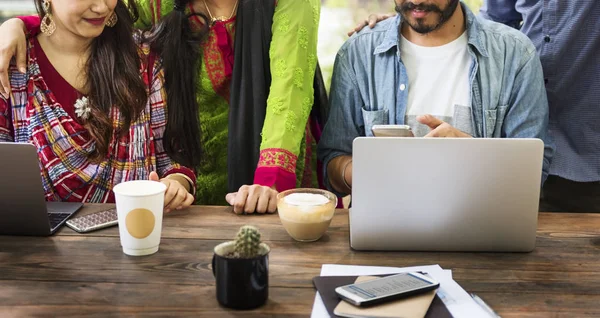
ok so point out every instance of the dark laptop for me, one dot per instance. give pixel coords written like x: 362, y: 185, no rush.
x: 23, y: 209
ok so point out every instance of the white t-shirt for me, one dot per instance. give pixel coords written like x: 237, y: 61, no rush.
x: 438, y: 83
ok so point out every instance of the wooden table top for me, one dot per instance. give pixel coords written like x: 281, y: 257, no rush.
x: 71, y: 274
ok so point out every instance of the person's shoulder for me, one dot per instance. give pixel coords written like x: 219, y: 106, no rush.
x: 369, y: 37
x: 497, y: 33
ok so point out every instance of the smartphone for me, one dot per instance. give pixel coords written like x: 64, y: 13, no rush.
x: 385, y: 289
x: 94, y: 221
x: 392, y: 131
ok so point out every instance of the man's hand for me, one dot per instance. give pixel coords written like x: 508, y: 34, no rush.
x: 254, y: 198
x: 440, y: 128
x: 371, y: 21
x: 12, y: 44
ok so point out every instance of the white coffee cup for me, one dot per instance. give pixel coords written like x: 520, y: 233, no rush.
x: 140, y: 211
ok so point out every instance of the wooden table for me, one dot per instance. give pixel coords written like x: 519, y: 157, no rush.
x: 75, y: 275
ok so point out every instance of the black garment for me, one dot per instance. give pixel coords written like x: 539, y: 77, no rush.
x: 562, y: 195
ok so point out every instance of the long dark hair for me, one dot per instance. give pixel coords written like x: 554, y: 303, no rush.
x: 178, y: 45
x: 113, y: 78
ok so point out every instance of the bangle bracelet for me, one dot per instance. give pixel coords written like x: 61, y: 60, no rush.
x: 191, y: 183
x: 344, y: 175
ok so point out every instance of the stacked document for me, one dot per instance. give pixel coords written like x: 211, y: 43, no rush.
x: 456, y: 300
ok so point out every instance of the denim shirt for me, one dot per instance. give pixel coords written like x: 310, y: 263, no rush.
x: 567, y: 37
x: 370, y: 87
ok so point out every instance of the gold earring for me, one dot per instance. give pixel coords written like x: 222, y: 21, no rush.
x: 112, y: 21
x: 47, y: 25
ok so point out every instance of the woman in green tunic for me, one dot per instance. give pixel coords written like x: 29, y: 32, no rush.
x: 283, y: 157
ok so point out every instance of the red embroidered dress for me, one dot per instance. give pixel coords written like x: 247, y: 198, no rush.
x: 41, y: 112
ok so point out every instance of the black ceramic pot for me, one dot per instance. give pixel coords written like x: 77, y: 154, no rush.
x: 241, y: 283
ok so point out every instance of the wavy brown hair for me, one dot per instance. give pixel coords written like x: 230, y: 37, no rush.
x: 113, y: 79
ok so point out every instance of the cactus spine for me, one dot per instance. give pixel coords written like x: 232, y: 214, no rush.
x: 247, y: 242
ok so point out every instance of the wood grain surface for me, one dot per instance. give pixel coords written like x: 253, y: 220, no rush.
x: 71, y: 274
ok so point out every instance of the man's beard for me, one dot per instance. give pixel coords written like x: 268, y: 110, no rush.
x: 419, y: 25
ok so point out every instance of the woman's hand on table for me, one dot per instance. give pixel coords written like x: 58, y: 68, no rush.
x: 253, y: 199
x: 177, y: 196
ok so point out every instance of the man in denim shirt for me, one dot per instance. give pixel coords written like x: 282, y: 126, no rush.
x: 439, y: 69
x: 567, y: 37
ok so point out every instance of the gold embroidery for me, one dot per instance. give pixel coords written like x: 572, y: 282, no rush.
x: 278, y: 158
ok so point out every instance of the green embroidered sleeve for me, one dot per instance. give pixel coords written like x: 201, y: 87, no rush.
x: 293, y: 55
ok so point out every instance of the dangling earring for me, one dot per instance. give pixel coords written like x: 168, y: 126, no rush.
x: 47, y: 26
x: 112, y: 21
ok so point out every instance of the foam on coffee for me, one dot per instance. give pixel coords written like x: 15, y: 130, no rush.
x: 306, y: 216
x: 306, y: 199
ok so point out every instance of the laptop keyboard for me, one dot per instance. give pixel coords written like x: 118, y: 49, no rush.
x: 57, y: 218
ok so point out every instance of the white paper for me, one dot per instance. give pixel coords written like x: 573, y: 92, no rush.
x: 456, y: 299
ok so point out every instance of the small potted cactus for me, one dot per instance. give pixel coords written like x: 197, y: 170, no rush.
x: 241, y: 270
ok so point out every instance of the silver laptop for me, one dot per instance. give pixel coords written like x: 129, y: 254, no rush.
x: 23, y: 209
x: 442, y: 194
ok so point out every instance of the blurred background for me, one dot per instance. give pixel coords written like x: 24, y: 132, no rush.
x: 337, y: 18
x: 10, y: 8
